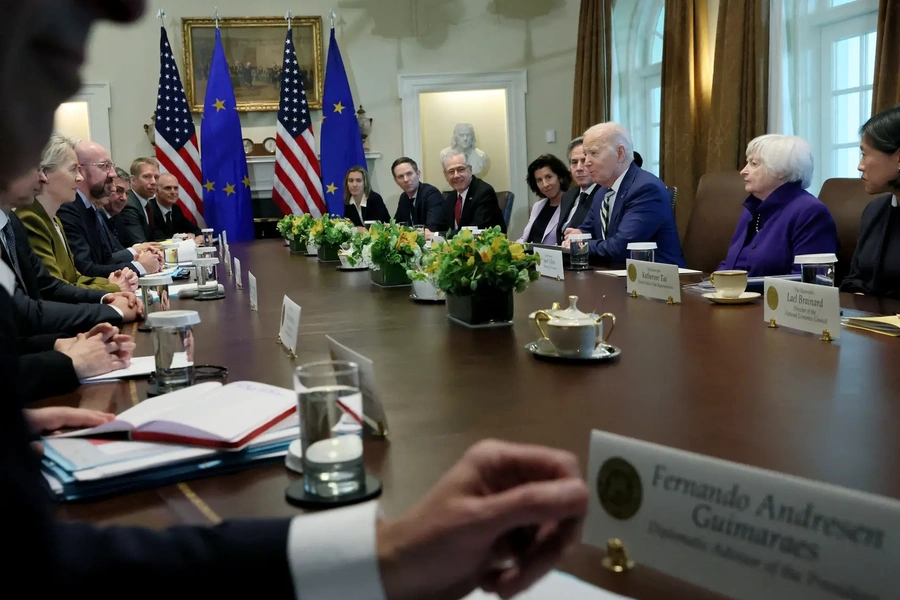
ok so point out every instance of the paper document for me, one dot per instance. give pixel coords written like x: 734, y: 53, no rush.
x: 140, y: 367
x: 557, y: 586
x: 624, y: 272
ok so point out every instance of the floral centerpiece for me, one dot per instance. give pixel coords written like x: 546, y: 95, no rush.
x: 479, y: 274
x: 422, y: 276
x: 352, y: 252
x: 393, y: 250
x: 295, y: 229
x: 329, y: 234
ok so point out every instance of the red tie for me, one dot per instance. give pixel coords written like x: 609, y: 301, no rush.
x: 458, y: 209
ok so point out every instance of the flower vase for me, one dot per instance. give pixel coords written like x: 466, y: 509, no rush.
x: 297, y: 246
x: 391, y: 275
x: 482, y: 307
x: 329, y: 252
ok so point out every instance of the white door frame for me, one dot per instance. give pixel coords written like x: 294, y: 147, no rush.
x: 516, y: 85
x: 98, y: 100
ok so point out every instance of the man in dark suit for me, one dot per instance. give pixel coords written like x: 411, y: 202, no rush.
x: 577, y: 201
x: 473, y: 202
x: 44, y: 303
x: 420, y: 203
x: 95, y: 248
x: 632, y: 205
x: 138, y: 223
x: 167, y: 214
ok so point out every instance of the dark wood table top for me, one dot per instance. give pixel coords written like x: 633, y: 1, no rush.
x: 700, y: 377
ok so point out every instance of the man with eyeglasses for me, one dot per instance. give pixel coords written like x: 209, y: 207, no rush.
x: 95, y: 247
x: 137, y: 219
x: 473, y: 202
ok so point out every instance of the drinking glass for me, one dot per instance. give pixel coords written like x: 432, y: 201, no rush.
x: 330, y: 405
x: 579, y: 250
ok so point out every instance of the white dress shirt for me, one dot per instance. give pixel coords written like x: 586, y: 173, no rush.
x: 332, y: 554
x: 360, y: 207
x: 4, y: 219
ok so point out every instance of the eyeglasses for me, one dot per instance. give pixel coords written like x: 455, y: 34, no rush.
x: 106, y: 166
x: 457, y: 170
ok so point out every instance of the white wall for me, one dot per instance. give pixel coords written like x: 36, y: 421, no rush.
x: 379, y: 40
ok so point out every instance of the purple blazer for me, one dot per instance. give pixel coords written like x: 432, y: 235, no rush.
x: 791, y: 222
x: 549, y: 236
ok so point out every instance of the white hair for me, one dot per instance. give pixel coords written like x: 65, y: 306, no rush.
x: 612, y: 134
x: 786, y: 157
x: 55, y: 151
x: 451, y: 154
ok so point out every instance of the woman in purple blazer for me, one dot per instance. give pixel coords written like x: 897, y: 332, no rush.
x: 781, y: 219
x: 548, y: 178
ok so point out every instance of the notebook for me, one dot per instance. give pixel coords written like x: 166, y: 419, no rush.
x: 889, y: 325
x: 207, y: 414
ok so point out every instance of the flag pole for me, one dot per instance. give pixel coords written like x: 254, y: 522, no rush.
x: 217, y: 17
x: 161, y: 15
x: 332, y: 15
x: 289, y: 17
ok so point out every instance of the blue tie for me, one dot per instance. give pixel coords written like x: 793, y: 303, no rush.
x: 10, y: 236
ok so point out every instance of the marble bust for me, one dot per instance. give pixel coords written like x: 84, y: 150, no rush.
x: 463, y: 142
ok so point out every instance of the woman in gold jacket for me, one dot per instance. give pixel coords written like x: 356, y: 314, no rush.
x: 60, y: 175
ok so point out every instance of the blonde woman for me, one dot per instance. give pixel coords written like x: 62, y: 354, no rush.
x: 60, y: 174
x: 361, y: 204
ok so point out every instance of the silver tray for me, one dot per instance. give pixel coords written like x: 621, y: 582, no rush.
x: 604, y: 353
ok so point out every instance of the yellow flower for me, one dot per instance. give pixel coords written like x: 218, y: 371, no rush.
x: 517, y: 251
x: 486, y: 255
x: 497, y: 245
x: 471, y: 261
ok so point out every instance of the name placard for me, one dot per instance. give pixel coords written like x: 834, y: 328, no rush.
x: 551, y: 264
x: 237, y: 273
x: 803, y: 306
x: 740, y: 531
x: 289, y: 332
x: 653, y: 280
x: 374, y: 416
x: 254, y: 297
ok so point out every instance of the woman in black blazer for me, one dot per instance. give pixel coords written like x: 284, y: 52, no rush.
x: 361, y: 204
x: 875, y: 269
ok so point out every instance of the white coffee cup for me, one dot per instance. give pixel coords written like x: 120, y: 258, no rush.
x: 729, y: 284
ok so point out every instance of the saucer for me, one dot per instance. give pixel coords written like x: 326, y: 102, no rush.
x: 605, y: 352
x: 415, y: 298
x: 359, y: 268
x: 744, y: 298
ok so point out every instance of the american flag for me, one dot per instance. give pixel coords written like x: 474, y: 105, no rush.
x: 176, y: 138
x: 298, y: 182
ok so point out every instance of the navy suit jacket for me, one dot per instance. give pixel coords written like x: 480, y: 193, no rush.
x: 95, y: 248
x: 74, y: 557
x: 481, y: 208
x: 180, y: 223
x: 642, y: 213
x: 429, y: 209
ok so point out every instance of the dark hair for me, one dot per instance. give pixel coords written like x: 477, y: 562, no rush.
x: 402, y: 160
x: 365, y: 176
x: 555, y: 165
x: 638, y: 159
x: 882, y: 131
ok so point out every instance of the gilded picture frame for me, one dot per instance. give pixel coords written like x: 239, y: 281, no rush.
x: 254, y: 49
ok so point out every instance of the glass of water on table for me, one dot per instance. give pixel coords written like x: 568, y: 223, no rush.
x: 331, y: 417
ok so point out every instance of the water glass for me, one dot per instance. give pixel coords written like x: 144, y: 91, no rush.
x: 817, y: 269
x: 330, y: 405
x: 173, y: 348
x: 643, y: 251
x: 579, y: 250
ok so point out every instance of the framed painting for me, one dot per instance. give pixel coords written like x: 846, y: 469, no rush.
x: 254, y: 49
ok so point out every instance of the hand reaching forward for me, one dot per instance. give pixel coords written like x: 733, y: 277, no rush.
x: 501, y: 501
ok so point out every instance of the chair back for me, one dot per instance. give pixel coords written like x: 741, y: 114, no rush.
x: 846, y: 198
x: 717, y: 208
x: 506, y: 199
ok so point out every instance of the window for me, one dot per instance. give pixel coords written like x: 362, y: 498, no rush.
x: 637, y: 89
x: 822, y: 69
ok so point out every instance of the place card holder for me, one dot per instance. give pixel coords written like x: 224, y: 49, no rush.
x: 670, y: 301
x: 826, y: 335
x: 616, y: 559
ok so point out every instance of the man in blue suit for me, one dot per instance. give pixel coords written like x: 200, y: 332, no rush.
x: 631, y: 206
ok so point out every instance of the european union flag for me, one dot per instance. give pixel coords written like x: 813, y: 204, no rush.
x: 226, y: 184
x: 342, y: 145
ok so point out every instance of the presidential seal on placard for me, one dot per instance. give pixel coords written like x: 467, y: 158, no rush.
x: 632, y: 273
x: 772, y: 298
x: 619, y: 488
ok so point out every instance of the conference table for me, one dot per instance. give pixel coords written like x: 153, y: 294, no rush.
x: 696, y: 376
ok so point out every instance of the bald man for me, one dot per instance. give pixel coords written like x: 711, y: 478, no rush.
x: 169, y: 218
x: 95, y: 247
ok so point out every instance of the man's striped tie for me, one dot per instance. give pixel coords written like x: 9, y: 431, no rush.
x: 604, y: 212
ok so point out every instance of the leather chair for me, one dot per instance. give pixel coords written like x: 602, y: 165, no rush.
x: 846, y: 198
x: 506, y: 199
x: 717, y: 208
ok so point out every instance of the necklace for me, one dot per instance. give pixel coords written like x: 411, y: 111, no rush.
x: 756, y: 223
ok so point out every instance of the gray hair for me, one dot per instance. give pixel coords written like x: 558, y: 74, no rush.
x: 55, y: 151
x: 614, y: 135
x: 786, y: 157
x: 449, y: 155
x: 122, y: 174
x: 579, y: 141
